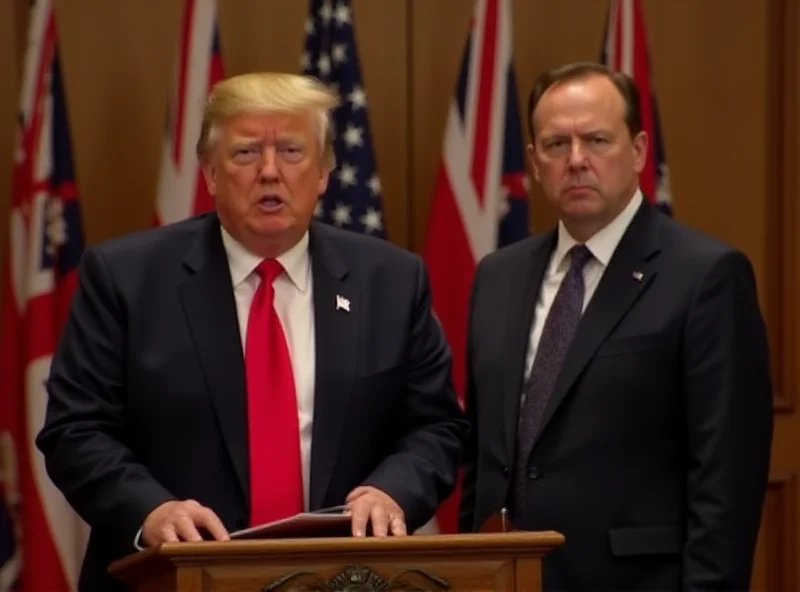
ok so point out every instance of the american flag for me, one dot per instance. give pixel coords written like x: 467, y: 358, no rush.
x: 182, y: 191
x: 625, y: 50
x: 353, y: 198
x: 45, y: 245
x: 480, y: 198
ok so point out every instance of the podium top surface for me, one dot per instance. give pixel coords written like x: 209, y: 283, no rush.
x: 519, y: 543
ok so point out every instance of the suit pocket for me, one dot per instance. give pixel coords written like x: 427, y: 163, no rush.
x: 627, y: 345
x: 660, y: 539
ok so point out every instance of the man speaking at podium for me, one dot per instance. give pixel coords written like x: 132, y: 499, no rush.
x: 246, y: 365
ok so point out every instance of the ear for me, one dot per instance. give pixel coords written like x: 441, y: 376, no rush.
x: 640, y: 145
x: 210, y: 176
x: 322, y: 184
x: 530, y: 153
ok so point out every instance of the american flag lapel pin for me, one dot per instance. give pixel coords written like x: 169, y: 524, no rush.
x: 638, y: 275
x: 342, y: 303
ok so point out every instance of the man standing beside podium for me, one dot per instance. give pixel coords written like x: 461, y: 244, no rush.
x: 619, y: 383
x: 248, y: 364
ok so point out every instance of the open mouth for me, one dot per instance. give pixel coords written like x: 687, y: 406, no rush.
x: 271, y: 203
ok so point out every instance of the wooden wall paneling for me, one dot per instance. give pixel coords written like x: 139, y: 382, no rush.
x: 269, y: 35
x: 261, y: 35
x: 117, y: 60
x: 13, y: 22
x: 382, y: 31
x: 712, y: 92
x: 20, y: 12
x: 775, y: 567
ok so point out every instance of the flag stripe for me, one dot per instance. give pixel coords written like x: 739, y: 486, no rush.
x: 183, y: 59
x: 45, y: 243
x: 473, y: 213
x: 182, y: 191
x: 625, y: 50
x: 483, y: 114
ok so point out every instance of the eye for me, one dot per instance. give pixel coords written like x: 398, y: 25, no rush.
x: 245, y: 151
x: 291, y: 153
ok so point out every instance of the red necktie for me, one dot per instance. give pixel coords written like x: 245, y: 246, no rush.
x: 276, y: 483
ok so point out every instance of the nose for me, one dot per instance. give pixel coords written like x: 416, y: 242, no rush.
x: 269, y: 166
x: 577, y: 154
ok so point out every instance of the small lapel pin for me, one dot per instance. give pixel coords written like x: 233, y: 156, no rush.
x: 638, y: 275
x: 342, y: 303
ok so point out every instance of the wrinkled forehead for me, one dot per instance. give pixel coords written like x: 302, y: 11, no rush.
x: 579, y: 105
x: 270, y: 126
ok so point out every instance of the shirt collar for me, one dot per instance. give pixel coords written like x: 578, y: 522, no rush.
x: 603, y: 244
x: 242, y: 262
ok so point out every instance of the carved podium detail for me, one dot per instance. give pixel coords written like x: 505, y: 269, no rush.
x: 492, y: 562
x: 358, y: 578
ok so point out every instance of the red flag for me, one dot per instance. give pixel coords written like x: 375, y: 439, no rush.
x: 480, y: 199
x: 625, y: 50
x: 45, y: 245
x: 181, y: 189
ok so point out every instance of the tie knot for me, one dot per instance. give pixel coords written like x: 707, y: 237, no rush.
x: 269, y: 269
x: 579, y: 256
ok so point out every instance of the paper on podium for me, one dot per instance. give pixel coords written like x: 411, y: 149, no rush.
x: 327, y: 522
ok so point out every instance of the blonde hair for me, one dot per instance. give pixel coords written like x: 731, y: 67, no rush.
x: 262, y: 92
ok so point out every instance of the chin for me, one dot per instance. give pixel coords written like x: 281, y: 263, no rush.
x: 583, y: 204
x: 269, y: 224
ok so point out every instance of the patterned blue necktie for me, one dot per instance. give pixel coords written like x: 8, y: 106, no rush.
x: 559, y: 328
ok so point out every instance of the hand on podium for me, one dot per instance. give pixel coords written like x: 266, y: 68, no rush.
x: 497, y: 523
x: 175, y: 521
x: 371, y: 507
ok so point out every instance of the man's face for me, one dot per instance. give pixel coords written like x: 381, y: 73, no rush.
x: 265, y: 172
x: 583, y: 154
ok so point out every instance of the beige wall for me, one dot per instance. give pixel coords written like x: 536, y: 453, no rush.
x: 724, y: 75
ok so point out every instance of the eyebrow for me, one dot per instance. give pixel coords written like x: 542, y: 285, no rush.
x: 585, y: 134
x: 245, y: 139
x: 250, y: 143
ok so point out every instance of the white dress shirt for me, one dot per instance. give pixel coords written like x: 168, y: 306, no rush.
x: 602, y: 246
x: 294, y: 304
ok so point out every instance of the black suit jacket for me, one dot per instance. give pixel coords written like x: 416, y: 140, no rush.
x: 147, y: 395
x: 654, y: 450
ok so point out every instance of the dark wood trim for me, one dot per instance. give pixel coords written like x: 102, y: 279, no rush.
x: 782, y: 263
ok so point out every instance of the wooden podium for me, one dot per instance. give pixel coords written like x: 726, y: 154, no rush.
x: 508, y: 561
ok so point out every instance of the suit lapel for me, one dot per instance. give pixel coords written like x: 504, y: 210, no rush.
x: 524, y: 290
x: 336, y: 333
x: 626, y: 278
x: 210, y: 309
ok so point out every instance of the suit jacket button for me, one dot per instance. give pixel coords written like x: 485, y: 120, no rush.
x: 506, y: 471
x: 534, y: 473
